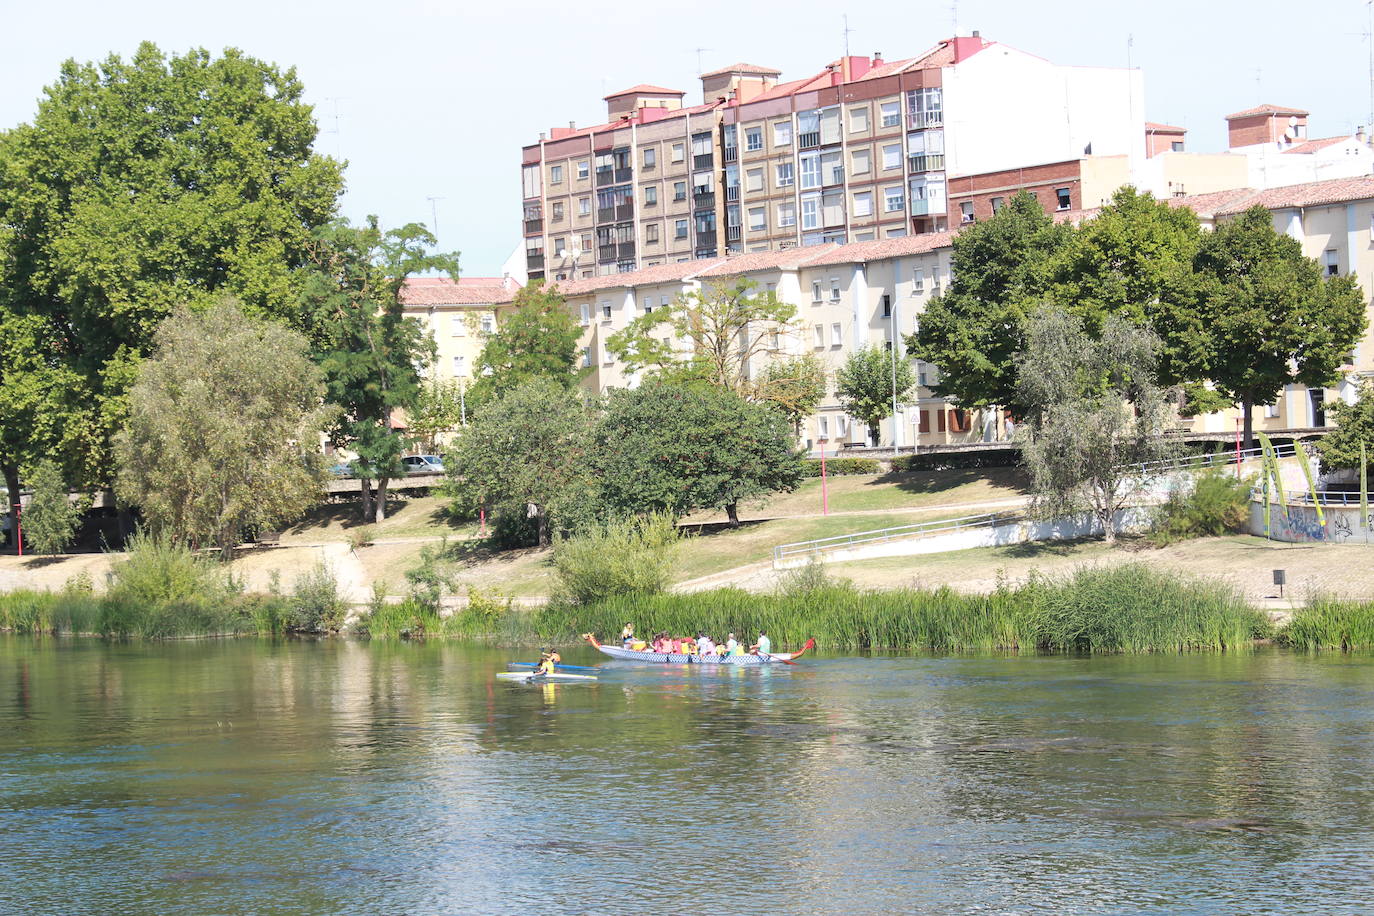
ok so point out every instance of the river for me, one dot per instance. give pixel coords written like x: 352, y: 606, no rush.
x: 246, y: 776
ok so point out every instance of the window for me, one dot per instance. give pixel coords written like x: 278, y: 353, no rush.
x: 1061, y: 198
x: 555, y: 174
x: 892, y: 156
x: 822, y: 428
x: 703, y: 182
x: 811, y: 171
x: 832, y: 167
x: 893, y: 199
x: 650, y: 157
x: 815, y: 290
x: 860, y: 161
x: 811, y: 212
x: 680, y: 229
x: 679, y: 190
x: 836, y: 335
x: 892, y: 114
x: 863, y: 203
x: 918, y: 280
x: 560, y: 246
x: 1271, y: 411
x: 858, y: 120
x: 488, y: 324
x: 757, y: 219
x: 460, y: 365
x: 997, y: 204
x: 701, y: 144
x: 557, y: 210
x: 586, y: 241
x: 1176, y: 146
x: 782, y: 133
x: 787, y: 214
x: 753, y: 180
x: 605, y: 309
x: 966, y: 211
x: 648, y: 304
x: 887, y: 305
x: 663, y: 301
x: 584, y: 168
x: 584, y: 206
x: 834, y: 289
x: 651, y: 196
x: 820, y: 336
x: 679, y: 151
x: 1333, y: 262
x: 786, y: 176
x: 935, y: 277
x: 586, y: 357
x: 753, y: 138
x: 651, y: 234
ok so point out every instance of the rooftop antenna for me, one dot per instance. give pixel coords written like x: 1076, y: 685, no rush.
x: 1130, y: 43
x: 700, y: 51
x: 954, y: 16
x: 847, y: 30
x: 434, y: 213
x: 1369, y: 37
x: 338, y: 144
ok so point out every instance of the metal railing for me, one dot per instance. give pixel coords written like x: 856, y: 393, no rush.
x: 881, y: 535
x: 1213, y: 459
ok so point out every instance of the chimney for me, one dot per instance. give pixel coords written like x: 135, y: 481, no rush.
x: 572, y: 125
x: 977, y: 34
x: 1359, y: 133
x: 541, y: 136
x: 877, y: 58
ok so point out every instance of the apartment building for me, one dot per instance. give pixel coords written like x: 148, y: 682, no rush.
x: 864, y: 150
x: 458, y: 315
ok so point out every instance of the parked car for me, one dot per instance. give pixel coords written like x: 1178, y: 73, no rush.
x: 423, y: 464
x: 342, y: 469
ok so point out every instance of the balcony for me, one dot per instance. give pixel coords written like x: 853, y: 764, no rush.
x: 606, y: 253
x: 706, y: 240
x: 919, y: 119
x: 625, y: 251
x: 927, y: 162
x: 732, y: 193
x: 534, y: 225
x: 625, y: 211
x: 623, y: 174
x: 605, y: 214
x: 835, y: 176
x: 920, y: 207
x: 605, y: 177
x: 703, y: 160
x: 534, y: 261
x: 809, y: 140
x: 731, y: 153
x: 732, y: 233
x: 704, y: 200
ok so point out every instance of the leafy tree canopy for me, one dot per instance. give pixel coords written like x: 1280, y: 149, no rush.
x: 537, y: 339
x: 869, y: 381
x: 51, y: 519
x: 1340, y: 448
x: 792, y: 385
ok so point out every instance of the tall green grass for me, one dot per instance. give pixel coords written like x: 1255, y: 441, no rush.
x: 1123, y: 609
x: 1331, y: 623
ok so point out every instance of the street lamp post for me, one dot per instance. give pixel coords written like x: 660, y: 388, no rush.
x: 825, y: 494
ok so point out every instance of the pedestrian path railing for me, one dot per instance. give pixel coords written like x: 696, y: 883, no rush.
x: 901, y: 532
x: 1210, y: 459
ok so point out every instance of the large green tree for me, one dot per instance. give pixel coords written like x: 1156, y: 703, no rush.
x: 793, y: 386
x: 523, y: 454
x: 871, y: 380
x: 223, y: 429
x: 142, y: 184
x: 1353, y: 438
x: 537, y: 338
x: 1095, y: 415
x: 1003, y: 269
x: 673, y: 448
x: 52, y: 517
x: 371, y: 353
x: 1269, y: 315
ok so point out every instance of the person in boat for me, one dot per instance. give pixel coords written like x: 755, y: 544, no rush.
x: 546, y: 663
x: 731, y: 644
x: 687, y: 646
x: 720, y: 650
x: 738, y: 649
x: 627, y: 635
x: 661, y: 643
x: 705, y: 645
x: 764, y: 646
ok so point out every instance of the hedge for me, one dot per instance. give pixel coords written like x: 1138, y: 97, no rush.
x: 834, y: 467
x: 948, y: 461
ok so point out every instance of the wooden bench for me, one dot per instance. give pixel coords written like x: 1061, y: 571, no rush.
x: 268, y: 538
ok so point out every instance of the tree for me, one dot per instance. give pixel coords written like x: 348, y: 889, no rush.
x: 672, y: 448
x: 1341, y: 448
x: 141, y: 185
x: 51, y: 518
x: 538, y: 339
x: 522, y: 453
x: 1270, y: 318
x: 868, y: 384
x: 369, y: 351
x: 717, y: 334
x: 1002, y: 269
x: 440, y: 406
x: 1095, y: 415
x: 792, y: 385
x: 223, y: 426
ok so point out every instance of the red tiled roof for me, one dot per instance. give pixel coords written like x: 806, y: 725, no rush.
x: 743, y: 68
x: 886, y: 68
x: 878, y: 249
x: 1075, y: 216
x: 1155, y: 127
x: 422, y: 291
x: 785, y: 259
x: 1311, y: 146
x: 1266, y: 109
x: 643, y: 89
x: 1209, y: 204
x: 648, y: 276
x: 1311, y: 194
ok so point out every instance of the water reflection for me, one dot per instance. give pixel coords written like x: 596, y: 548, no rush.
x: 338, y: 777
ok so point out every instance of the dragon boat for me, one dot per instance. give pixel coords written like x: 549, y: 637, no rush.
x: 680, y: 658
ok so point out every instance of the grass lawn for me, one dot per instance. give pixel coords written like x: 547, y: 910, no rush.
x: 422, y: 517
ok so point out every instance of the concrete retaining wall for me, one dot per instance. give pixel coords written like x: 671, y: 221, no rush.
x: 1297, y: 524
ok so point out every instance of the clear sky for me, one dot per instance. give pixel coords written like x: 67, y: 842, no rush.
x: 434, y: 98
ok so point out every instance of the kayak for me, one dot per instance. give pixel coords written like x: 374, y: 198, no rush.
x: 679, y: 658
x: 573, y: 668
x: 541, y: 678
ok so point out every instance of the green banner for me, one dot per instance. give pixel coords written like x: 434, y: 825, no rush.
x: 1306, y: 462
x: 1364, y: 490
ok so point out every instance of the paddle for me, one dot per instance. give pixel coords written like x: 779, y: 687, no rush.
x: 559, y: 667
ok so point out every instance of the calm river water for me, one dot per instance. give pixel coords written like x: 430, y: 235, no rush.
x: 331, y: 777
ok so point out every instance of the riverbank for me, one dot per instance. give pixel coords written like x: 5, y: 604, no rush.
x: 1124, y: 609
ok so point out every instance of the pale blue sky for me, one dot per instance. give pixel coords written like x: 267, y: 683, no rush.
x: 435, y: 98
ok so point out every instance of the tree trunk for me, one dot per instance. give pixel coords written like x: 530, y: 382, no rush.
x: 1108, y: 518
x: 366, y: 484
x: 12, y: 483
x: 873, y: 434
x: 732, y: 513
x: 1247, y: 410
x: 379, y: 507
x: 543, y: 521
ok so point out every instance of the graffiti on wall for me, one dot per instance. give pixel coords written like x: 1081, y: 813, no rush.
x: 1299, y: 524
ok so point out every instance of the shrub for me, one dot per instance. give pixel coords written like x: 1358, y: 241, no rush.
x: 315, y: 604
x: 632, y: 557
x: 950, y: 461
x: 837, y: 467
x: 430, y: 581
x: 1218, y: 503
x: 360, y: 537
x: 157, y: 570
x: 51, y: 518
